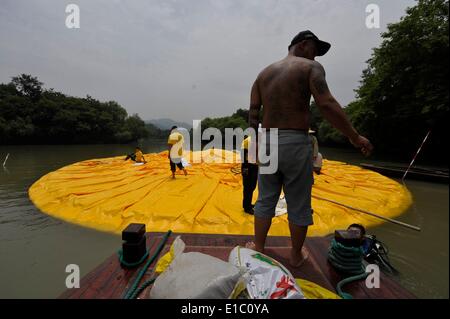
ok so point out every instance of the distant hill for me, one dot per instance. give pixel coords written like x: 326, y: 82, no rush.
x: 166, y: 124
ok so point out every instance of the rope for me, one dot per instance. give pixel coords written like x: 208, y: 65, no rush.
x: 142, y: 288
x: 349, y: 261
x: 134, y: 290
x: 131, y: 265
x: 236, y: 170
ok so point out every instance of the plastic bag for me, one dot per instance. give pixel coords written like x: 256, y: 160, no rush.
x: 312, y: 290
x: 185, y: 163
x: 195, y: 275
x: 265, y: 277
x: 138, y: 164
x: 318, y: 162
x: 281, y: 207
x: 177, y: 248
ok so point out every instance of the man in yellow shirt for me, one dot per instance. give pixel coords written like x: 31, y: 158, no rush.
x: 175, y: 143
x: 249, y: 173
x: 137, y: 156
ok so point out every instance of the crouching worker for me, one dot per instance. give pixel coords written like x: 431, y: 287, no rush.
x: 249, y: 173
x: 175, y: 143
x: 137, y: 156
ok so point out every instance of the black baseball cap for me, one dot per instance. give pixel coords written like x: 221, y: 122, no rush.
x: 322, y: 46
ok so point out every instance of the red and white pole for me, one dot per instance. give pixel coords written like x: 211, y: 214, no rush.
x: 417, y: 153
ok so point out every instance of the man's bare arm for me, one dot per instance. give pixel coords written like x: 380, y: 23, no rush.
x: 255, y: 106
x: 328, y: 106
x: 332, y: 110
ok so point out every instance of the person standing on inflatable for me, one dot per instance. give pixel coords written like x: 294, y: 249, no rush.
x: 284, y: 89
x: 249, y: 173
x: 175, y: 143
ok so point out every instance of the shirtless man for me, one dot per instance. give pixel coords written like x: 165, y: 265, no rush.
x: 284, y: 89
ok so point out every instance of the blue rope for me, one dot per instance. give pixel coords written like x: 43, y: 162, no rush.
x: 131, y: 265
x: 142, y: 288
x: 348, y: 260
x: 134, y: 289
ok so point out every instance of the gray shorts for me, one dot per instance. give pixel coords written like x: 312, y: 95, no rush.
x: 294, y: 175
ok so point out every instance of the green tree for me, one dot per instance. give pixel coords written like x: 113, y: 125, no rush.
x: 29, y: 114
x: 242, y: 113
x: 28, y: 85
x: 404, y: 89
x: 136, y: 127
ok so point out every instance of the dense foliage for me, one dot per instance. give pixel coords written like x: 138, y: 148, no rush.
x: 31, y: 115
x: 404, y: 89
x: 155, y: 132
x: 238, y: 119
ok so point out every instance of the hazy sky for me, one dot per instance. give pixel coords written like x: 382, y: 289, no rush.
x: 181, y: 59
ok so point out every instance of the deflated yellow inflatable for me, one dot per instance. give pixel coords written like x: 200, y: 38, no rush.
x: 108, y: 194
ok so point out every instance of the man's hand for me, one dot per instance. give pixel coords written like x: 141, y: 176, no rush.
x: 332, y: 110
x: 363, y: 144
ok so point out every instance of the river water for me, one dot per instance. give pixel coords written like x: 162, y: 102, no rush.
x: 35, y: 248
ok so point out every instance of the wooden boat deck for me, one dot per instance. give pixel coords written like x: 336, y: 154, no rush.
x: 110, y: 281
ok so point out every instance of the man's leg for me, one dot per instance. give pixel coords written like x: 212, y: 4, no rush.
x: 298, y: 181
x: 253, y: 180
x: 262, y: 226
x: 247, y: 193
x: 269, y: 186
x: 298, y: 235
x: 172, y: 168
x: 181, y: 167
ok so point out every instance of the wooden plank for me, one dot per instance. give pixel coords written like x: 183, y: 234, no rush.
x: 389, y: 288
x: 86, y: 282
x: 321, y: 253
x: 227, y: 240
x: 126, y: 282
x: 110, y: 280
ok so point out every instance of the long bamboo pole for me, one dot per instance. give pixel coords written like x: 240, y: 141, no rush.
x: 370, y: 213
